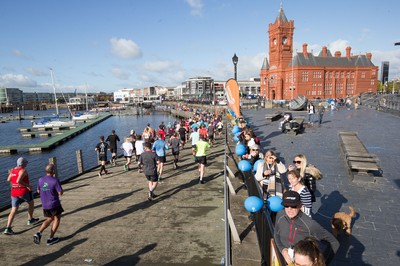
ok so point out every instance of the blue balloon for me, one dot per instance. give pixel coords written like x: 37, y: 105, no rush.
x: 235, y: 138
x: 240, y: 150
x: 275, y: 203
x: 253, y: 204
x: 244, y: 165
x: 255, y: 166
x: 235, y: 129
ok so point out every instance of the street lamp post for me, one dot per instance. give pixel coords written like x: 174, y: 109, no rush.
x: 235, y: 60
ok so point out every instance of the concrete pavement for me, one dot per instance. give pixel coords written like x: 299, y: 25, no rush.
x: 375, y: 238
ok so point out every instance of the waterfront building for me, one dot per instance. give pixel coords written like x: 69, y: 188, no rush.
x: 11, y: 96
x: 285, y: 76
x: 199, y: 88
x: 385, y: 72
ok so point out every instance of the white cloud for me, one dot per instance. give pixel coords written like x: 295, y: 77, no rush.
x: 338, y: 45
x: 159, y: 66
x: 125, y: 49
x: 16, y: 81
x: 120, y: 73
x: 17, y: 53
x: 36, y: 72
x: 196, y: 7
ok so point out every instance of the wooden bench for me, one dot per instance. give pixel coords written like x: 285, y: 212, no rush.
x: 274, y: 117
x: 362, y: 164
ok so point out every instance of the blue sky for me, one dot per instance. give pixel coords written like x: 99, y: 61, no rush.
x: 110, y: 45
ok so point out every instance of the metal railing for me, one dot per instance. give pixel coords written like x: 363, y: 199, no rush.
x: 263, y: 219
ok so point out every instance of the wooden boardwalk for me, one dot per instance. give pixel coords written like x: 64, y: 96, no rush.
x: 109, y: 221
x: 55, y: 140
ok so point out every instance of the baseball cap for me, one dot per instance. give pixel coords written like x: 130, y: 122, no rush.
x: 291, y: 198
x: 21, y: 161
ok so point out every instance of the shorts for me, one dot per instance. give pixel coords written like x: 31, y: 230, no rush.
x: 103, y: 158
x: 16, y: 201
x: 201, y: 159
x: 152, y: 178
x: 128, y: 157
x: 175, y: 152
x: 183, y: 138
x: 211, y: 137
x: 113, y: 150
x: 219, y: 129
x: 162, y: 159
x: 194, y: 146
x: 53, y: 212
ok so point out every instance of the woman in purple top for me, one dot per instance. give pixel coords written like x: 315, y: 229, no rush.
x: 50, y: 190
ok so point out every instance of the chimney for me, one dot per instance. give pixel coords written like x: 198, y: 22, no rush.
x: 305, y: 50
x: 324, y: 51
x: 338, y: 54
x: 369, y: 56
x: 348, y: 52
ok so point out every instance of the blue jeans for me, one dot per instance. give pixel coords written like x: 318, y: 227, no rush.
x: 310, y: 118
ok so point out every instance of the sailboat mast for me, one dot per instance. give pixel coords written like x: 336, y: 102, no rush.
x: 86, y: 99
x: 54, y: 89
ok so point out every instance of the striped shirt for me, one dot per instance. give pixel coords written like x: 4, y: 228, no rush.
x: 306, y: 200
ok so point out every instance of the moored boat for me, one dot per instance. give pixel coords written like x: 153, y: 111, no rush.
x: 84, y: 116
x: 48, y: 122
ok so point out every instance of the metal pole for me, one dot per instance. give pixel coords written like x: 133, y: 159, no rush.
x: 54, y: 89
x: 53, y: 160
x: 227, y: 261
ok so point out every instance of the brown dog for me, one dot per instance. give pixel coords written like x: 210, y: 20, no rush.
x: 342, y: 221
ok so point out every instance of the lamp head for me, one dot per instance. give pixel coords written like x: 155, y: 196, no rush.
x: 235, y: 59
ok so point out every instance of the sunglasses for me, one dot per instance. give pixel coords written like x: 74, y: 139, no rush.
x: 270, y: 157
x: 255, y: 149
x: 295, y: 207
x: 298, y: 162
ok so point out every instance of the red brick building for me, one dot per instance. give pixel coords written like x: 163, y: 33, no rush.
x: 284, y: 77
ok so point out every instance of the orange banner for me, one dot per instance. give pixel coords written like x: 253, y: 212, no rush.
x: 232, y: 95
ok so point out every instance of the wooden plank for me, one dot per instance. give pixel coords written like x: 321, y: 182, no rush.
x: 230, y: 173
x: 361, y: 159
x: 228, y: 181
x: 360, y: 154
x: 234, y: 232
x: 367, y: 166
x: 347, y: 133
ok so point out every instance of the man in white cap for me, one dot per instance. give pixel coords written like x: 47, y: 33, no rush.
x: 21, y: 191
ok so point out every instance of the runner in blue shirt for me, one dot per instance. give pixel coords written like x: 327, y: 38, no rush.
x: 160, y: 146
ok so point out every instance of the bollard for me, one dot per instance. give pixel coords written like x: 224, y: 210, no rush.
x: 79, y: 160
x: 53, y: 160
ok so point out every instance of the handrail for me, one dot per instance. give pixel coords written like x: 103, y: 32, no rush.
x: 263, y: 220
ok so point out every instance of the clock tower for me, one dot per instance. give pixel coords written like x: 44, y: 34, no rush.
x: 280, y: 55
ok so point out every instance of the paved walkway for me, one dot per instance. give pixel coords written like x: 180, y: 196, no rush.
x: 109, y: 221
x: 375, y: 238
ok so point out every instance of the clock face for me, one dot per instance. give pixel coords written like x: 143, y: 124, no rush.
x: 284, y: 40
x: 274, y: 41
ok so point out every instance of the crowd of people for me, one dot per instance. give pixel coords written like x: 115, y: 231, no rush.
x: 150, y: 148
x: 295, y: 231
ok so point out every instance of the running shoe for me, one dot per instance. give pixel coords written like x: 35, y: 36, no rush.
x: 36, y: 238
x: 52, y: 241
x: 32, y: 221
x: 8, y: 231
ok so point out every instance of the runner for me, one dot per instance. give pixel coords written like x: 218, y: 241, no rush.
x: 201, y: 156
x: 148, y: 160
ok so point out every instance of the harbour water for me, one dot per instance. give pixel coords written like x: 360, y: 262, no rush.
x: 65, y: 153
